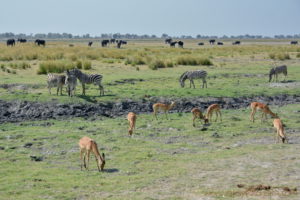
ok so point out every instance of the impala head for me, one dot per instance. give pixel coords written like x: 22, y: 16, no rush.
x: 102, y: 162
x: 130, y: 131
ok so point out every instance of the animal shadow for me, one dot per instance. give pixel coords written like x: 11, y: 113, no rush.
x: 112, y: 170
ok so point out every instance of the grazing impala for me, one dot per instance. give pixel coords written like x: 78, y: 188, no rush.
x: 263, y: 108
x: 280, y: 131
x: 163, y: 107
x: 131, y: 117
x: 198, y: 114
x: 87, y: 145
x: 213, y: 108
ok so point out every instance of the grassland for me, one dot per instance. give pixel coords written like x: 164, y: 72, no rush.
x: 165, y: 159
x: 236, y: 70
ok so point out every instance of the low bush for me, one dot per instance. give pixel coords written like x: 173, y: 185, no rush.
x: 189, y: 60
x: 54, y: 67
x: 87, y: 65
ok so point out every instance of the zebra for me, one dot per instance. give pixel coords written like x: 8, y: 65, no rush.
x: 198, y: 74
x: 88, y: 79
x: 55, y: 80
x: 71, y: 82
x: 277, y: 70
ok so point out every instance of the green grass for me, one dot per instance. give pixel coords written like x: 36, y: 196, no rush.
x: 165, y: 159
x: 236, y: 71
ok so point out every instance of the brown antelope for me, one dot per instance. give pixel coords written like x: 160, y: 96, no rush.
x: 87, y: 145
x: 131, y: 117
x: 163, y: 107
x: 263, y: 108
x: 198, y: 114
x: 280, y: 130
x: 213, y: 108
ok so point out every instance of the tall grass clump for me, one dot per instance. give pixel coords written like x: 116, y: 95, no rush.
x: 279, y: 56
x: 189, y: 60
x: 54, y: 67
x: 157, y: 64
x: 137, y: 60
x: 87, y: 65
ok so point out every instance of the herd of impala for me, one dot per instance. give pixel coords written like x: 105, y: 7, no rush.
x: 87, y: 145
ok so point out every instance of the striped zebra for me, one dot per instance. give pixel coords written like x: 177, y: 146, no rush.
x: 277, y: 70
x: 88, y: 79
x: 191, y: 75
x: 71, y: 82
x: 55, y: 80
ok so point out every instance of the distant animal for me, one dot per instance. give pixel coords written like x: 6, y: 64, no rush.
x: 220, y: 43
x: 104, y: 43
x: 22, y: 40
x: 131, y: 117
x: 212, y: 41
x: 180, y: 44
x: 191, y: 75
x: 201, y: 43
x: 10, y: 42
x: 236, y: 43
x: 263, y: 108
x: 163, y: 107
x: 90, y: 43
x: 40, y: 42
x: 198, y: 114
x: 168, y: 40
x: 211, y: 109
x: 96, y: 79
x: 280, y: 131
x: 55, y: 80
x: 112, y: 41
x: 120, y: 42
x: 278, y: 70
x: 294, y: 42
x: 70, y: 82
x: 172, y: 44
x: 87, y: 145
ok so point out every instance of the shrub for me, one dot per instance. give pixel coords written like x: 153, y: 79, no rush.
x: 283, y: 56
x: 87, y: 65
x: 188, y: 60
x: 157, y: 64
x: 272, y: 56
x: 137, y: 60
x: 298, y: 55
x: 54, y: 67
x: 79, y: 64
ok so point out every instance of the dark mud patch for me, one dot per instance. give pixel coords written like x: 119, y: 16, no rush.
x: 18, y: 86
x: 16, y: 111
x: 126, y: 81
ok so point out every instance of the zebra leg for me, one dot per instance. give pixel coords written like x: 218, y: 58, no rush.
x: 83, y: 89
x: 193, y: 83
x: 49, y: 88
x: 190, y: 83
x: 57, y: 90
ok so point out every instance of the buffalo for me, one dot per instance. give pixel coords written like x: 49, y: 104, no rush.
x: 10, y: 42
x: 90, y: 43
x: 172, y: 44
x: 112, y: 41
x: 104, y: 43
x: 201, y: 43
x: 120, y: 42
x: 21, y: 40
x: 168, y: 41
x: 180, y: 44
x: 212, y: 41
x: 40, y: 42
x: 236, y: 42
x: 220, y: 43
x: 294, y: 42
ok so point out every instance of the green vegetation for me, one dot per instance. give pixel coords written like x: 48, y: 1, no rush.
x: 165, y: 159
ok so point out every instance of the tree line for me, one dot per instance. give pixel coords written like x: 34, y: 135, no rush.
x: 136, y: 36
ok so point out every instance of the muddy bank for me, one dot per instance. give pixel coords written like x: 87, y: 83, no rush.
x: 15, y: 111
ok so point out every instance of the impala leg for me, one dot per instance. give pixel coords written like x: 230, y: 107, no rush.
x: 220, y: 115
x: 216, y: 116
x: 252, y: 115
x: 88, y: 159
x: 81, y: 152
